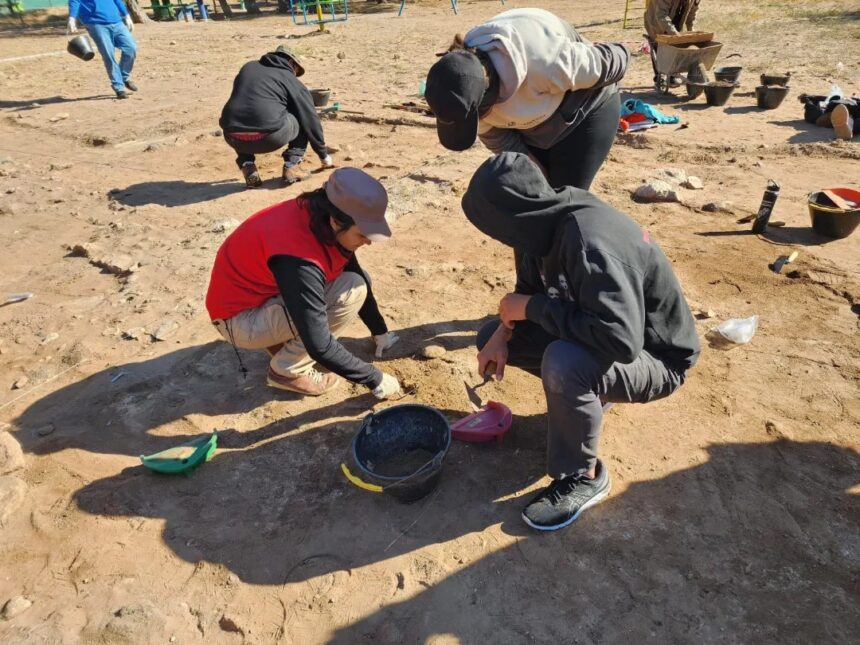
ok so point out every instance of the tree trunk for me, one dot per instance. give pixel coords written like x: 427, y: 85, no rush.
x: 225, y: 7
x: 138, y: 15
x: 251, y: 6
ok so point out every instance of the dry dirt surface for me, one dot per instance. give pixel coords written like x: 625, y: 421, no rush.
x: 734, y: 515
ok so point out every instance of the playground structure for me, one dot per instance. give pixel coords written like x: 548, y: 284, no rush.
x: 335, y: 11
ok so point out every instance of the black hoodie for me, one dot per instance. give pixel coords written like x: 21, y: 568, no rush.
x: 266, y: 90
x: 594, y: 275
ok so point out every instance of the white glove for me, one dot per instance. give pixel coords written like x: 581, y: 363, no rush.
x: 389, y: 387
x: 385, y: 341
x: 128, y: 22
x: 72, y: 27
x: 326, y: 162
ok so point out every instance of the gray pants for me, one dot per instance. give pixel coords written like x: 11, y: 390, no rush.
x: 290, y: 133
x: 577, y: 384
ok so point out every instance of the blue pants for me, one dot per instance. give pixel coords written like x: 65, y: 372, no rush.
x: 577, y: 384
x: 109, y: 38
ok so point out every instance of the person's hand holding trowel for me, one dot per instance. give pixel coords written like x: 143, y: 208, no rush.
x: 494, y: 355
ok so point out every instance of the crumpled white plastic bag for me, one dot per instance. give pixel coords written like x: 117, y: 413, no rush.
x: 738, y: 330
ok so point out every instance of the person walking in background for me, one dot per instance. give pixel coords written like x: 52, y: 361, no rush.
x: 110, y: 27
x: 668, y: 17
x: 268, y: 109
x: 526, y: 81
x: 597, y: 313
x: 287, y: 280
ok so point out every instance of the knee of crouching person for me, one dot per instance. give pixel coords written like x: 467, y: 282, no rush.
x: 567, y: 367
x: 354, y: 289
x: 484, y: 334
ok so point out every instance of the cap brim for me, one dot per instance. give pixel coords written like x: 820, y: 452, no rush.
x: 458, y: 135
x: 374, y: 231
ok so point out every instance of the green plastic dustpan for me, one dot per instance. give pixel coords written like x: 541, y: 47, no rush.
x: 184, y: 458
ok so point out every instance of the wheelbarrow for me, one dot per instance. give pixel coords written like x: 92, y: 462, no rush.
x: 677, y: 59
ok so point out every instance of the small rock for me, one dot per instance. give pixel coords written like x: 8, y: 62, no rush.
x: 704, y: 314
x: 60, y: 166
x: 224, y: 225
x: 233, y: 580
x: 20, y: 383
x: 152, y: 146
x: 11, y: 455
x: 134, y: 333
x: 693, y: 183
x: 60, y: 117
x: 719, y: 207
x: 10, y: 191
x: 341, y: 56
x: 165, y: 330
x: 50, y: 338
x: 433, y: 351
x: 655, y: 191
x: 758, y: 164
x: 15, y: 606
x: 216, y: 133
x: 44, y: 431
x: 12, y: 494
x: 172, y: 42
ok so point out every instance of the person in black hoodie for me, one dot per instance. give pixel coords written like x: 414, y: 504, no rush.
x: 597, y: 313
x: 268, y: 109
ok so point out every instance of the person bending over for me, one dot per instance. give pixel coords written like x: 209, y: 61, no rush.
x: 287, y: 280
x: 597, y: 314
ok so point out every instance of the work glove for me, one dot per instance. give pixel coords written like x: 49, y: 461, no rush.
x: 72, y: 26
x: 384, y: 341
x: 326, y: 162
x: 390, y: 387
x: 128, y: 22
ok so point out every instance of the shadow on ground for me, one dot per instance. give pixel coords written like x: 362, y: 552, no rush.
x: 175, y: 192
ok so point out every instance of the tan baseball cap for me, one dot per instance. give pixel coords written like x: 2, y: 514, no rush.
x: 361, y: 197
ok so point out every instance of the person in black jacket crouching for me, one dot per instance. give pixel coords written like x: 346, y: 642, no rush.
x: 268, y: 109
x: 597, y: 313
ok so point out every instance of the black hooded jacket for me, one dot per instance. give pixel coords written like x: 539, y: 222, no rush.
x: 594, y: 275
x: 266, y: 90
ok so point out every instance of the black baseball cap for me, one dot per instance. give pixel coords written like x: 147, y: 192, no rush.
x: 455, y: 87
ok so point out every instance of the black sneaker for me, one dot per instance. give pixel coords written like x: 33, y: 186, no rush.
x: 120, y: 94
x: 560, y: 503
x: 130, y: 84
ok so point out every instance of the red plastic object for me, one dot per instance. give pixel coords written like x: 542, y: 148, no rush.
x: 490, y: 422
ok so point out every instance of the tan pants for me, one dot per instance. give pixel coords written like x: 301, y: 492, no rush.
x: 270, y: 325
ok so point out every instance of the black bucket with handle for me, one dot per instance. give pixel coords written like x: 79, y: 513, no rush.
x: 399, y: 451
x: 80, y: 47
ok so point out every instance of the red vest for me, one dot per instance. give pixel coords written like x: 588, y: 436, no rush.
x: 241, y: 278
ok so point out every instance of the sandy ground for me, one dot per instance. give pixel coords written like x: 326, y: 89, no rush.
x: 734, y: 515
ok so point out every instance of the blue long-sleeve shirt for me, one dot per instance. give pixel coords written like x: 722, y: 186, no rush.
x: 97, y: 12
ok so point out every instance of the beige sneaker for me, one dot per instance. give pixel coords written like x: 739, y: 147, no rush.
x: 314, y: 383
x: 842, y: 122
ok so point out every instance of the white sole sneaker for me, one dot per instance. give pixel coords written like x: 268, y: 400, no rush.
x: 592, y: 502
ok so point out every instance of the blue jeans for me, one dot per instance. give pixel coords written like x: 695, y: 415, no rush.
x: 109, y: 38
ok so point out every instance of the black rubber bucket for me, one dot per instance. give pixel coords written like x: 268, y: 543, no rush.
x: 718, y: 92
x: 399, y: 451
x: 769, y: 97
x: 696, y: 78
x: 728, y: 74
x: 320, y: 97
x: 830, y: 220
x: 775, y: 79
x: 80, y: 46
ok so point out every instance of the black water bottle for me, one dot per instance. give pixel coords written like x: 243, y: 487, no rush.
x: 766, y: 207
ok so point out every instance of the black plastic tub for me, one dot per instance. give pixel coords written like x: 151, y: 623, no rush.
x: 80, y: 46
x: 728, y: 74
x: 399, y: 451
x: 770, y: 97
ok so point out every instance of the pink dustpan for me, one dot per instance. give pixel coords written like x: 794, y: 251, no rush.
x: 492, y: 421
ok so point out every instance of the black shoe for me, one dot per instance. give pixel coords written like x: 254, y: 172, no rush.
x: 121, y: 94
x: 291, y: 175
x: 251, y: 175
x: 560, y: 503
x: 130, y: 84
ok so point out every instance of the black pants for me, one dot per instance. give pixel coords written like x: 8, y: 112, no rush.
x: 290, y: 134
x: 575, y: 160
x: 577, y: 384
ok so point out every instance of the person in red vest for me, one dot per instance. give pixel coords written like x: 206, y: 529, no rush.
x: 287, y: 280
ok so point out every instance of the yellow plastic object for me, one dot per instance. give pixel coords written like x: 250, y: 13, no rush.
x: 373, y: 488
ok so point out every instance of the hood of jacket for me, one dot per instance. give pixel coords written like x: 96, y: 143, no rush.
x: 281, y: 60
x: 510, y: 200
